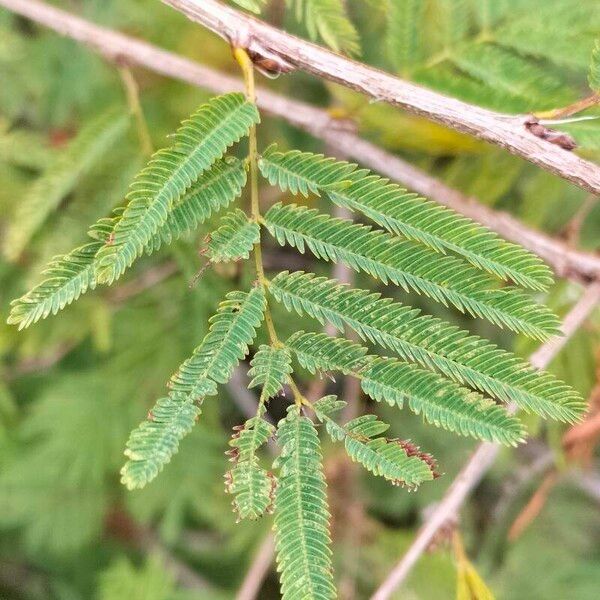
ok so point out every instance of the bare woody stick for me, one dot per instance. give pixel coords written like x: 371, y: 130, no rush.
x: 120, y: 48
x: 507, y: 131
x: 483, y: 457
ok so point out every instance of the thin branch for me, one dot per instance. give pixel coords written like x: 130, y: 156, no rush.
x: 589, y: 483
x: 116, y: 47
x: 483, y: 457
x: 35, y: 364
x: 144, y: 281
x: 183, y: 573
x: 259, y: 569
x: 571, y: 109
x: 133, y: 101
x: 507, y: 131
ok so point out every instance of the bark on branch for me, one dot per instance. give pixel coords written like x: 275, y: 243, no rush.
x: 507, y: 131
x: 565, y: 261
x: 483, y: 457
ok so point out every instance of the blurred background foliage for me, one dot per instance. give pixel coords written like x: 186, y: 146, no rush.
x: 72, y: 387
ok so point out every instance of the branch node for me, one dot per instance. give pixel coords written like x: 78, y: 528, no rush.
x: 267, y: 62
x: 563, y: 140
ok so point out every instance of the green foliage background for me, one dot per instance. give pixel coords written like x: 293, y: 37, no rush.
x: 73, y: 387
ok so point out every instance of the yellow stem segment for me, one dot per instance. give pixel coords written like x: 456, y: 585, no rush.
x: 248, y: 71
x: 135, y: 108
x: 572, y: 109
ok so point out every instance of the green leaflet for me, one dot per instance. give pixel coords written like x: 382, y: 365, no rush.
x: 251, y: 485
x: 443, y: 278
x: 508, y: 73
x: 398, y: 461
x: 197, y: 144
x: 328, y: 20
x: 320, y: 352
x: 71, y: 275
x: 301, y: 515
x: 215, y: 189
x: 231, y: 331
x: 404, y: 214
x: 234, y: 239
x: 404, y: 34
x: 24, y: 148
x: 249, y: 438
x: 152, y: 444
x: 441, y: 402
x: 271, y: 368
x: 68, y: 277
x: 304, y: 172
x: 253, y: 488
x: 430, y: 342
x: 60, y: 176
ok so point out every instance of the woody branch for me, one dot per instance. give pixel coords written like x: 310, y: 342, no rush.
x: 120, y: 48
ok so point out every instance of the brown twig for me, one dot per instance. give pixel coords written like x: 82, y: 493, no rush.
x: 118, y: 47
x: 483, y: 457
x: 534, y: 506
x: 258, y: 570
x: 507, y: 131
x: 571, y: 109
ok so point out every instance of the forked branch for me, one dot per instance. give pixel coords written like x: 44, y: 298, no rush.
x: 507, y: 131
x: 565, y: 261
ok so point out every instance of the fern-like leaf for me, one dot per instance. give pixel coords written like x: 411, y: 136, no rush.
x: 60, y: 177
x: 67, y: 277
x: 231, y: 331
x: 249, y: 438
x: 154, y: 442
x: 430, y: 342
x: 304, y: 172
x: 252, y: 486
x: 71, y: 275
x: 404, y: 33
x: 271, y: 368
x: 398, y: 461
x: 328, y: 20
x: 215, y: 189
x: 507, y: 72
x: 301, y: 514
x: 452, y: 22
x: 197, y: 144
x: 404, y: 214
x: 234, y: 239
x: 441, y: 402
x: 594, y: 74
x: 443, y: 278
